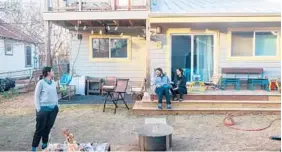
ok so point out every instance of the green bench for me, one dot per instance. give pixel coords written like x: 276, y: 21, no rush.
x: 251, y: 81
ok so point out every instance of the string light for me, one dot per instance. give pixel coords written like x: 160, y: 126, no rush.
x: 92, y: 32
x: 84, y: 28
x: 116, y: 28
x: 100, y: 32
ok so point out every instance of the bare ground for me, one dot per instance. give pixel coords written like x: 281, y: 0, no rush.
x: 89, y: 124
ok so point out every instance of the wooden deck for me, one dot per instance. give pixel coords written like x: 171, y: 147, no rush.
x: 216, y: 102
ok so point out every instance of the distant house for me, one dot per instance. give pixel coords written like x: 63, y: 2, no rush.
x: 18, y: 51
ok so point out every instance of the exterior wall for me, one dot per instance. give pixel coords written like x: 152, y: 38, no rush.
x: 16, y: 62
x: 134, y: 69
x: 160, y: 56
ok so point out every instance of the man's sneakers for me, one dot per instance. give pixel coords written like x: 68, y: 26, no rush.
x: 160, y: 107
x: 168, y: 106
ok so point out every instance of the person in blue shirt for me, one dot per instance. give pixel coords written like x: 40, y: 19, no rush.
x: 162, y: 83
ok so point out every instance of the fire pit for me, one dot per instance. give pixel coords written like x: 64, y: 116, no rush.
x: 155, y: 137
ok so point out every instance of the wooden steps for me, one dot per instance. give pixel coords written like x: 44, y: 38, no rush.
x: 208, y: 107
x: 231, y: 97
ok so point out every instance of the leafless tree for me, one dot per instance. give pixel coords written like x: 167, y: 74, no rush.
x: 27, y: 16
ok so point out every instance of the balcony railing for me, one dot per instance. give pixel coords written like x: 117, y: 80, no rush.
x: 97, y: 5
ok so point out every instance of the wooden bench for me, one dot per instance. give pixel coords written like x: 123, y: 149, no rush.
x: 251, y: 81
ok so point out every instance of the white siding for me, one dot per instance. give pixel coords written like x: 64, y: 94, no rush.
x: 271, y: 68
x: 16, y: 62
x: 135, y: 69
x: 159, y: 57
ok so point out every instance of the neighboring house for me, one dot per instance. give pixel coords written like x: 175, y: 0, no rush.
x: 131, y: 38
x: 18, y: 51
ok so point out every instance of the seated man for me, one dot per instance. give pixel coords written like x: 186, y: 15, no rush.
x: 162, y: 83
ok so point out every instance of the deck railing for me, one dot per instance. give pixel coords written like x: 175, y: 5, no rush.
x: 97, y: 5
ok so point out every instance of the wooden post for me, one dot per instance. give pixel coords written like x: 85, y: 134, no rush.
x: 47, y: 42
x: 148, y: 60
x: 80, y: 5
x: 129, y: 5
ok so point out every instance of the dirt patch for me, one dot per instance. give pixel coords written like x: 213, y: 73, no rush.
x: 90, y: 124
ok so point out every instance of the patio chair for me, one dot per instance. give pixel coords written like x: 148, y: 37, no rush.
x: 35, y: 77
x: 138, y: 91
x: 65, y: 87
x: 109, y: 84
x: 118, y: 93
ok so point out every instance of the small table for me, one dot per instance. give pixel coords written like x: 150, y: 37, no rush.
x: 94, y: 81
x: 155, y: 137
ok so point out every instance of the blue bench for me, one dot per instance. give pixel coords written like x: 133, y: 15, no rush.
x: 251, y: 81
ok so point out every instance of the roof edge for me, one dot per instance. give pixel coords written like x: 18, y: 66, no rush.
x: 212, y: 14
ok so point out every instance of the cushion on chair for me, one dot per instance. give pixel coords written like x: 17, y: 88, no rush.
x: 108, y: 87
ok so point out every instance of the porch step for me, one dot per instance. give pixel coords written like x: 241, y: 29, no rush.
x: 230, y: 97
x: 209, y: 107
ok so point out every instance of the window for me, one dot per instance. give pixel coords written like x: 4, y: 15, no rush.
x: 8, y: 47
x: 109, y: 48
x: 254, y: 43
x: 28, y: 56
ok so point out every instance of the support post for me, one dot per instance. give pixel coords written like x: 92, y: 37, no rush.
x: 47, y: 43
x: 148, y: 60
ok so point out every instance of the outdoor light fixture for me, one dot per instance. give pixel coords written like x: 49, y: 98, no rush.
x: 100, y: 32
x: 92, y: 32
x: 158, y: 30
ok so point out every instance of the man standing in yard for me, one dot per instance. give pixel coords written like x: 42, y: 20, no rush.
x: 46, y: 104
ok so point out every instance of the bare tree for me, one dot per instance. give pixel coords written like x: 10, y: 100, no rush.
x: 27, y: 16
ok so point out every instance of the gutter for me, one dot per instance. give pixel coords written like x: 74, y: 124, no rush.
x: 160, y: 15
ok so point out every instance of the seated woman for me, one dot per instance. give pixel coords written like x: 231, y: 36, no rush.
x: 179, y: 86
x: 162, y: 83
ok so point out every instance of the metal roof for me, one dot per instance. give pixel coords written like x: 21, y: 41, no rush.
x: 205, y: 7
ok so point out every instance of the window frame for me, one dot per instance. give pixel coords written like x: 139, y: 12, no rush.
x: 110, y: 59
x: 254, y: 30
x: 8, y: 42
x: 25, y: 55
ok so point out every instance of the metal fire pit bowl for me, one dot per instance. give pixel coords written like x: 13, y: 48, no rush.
x: 155, y: 137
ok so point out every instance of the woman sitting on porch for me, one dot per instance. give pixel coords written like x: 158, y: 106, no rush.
x: 179, y: 86
x: 162, y: 84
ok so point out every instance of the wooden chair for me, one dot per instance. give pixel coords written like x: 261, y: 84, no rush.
x: 35, y: 77
x: 118, y: 93
x: 138, y: 91
x: 109, y: 84
x: 65, y: 87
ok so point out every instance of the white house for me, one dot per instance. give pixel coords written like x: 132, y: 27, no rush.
x: 18, y: 51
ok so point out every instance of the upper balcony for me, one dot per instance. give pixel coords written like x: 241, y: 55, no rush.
x: 96, y: 9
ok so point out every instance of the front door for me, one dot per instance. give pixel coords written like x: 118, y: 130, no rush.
x: 194, y: 54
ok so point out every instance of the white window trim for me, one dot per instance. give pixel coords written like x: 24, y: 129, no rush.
x: 25, y: 51
x: 6, y: 42
x: 254, y: 43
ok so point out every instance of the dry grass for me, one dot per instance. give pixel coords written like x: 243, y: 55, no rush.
x: 90, y: 124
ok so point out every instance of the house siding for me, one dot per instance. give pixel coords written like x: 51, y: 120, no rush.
x: 134, y: 69
x: 16, y: 62
x: 272, y: 69
x: 159, y: 57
